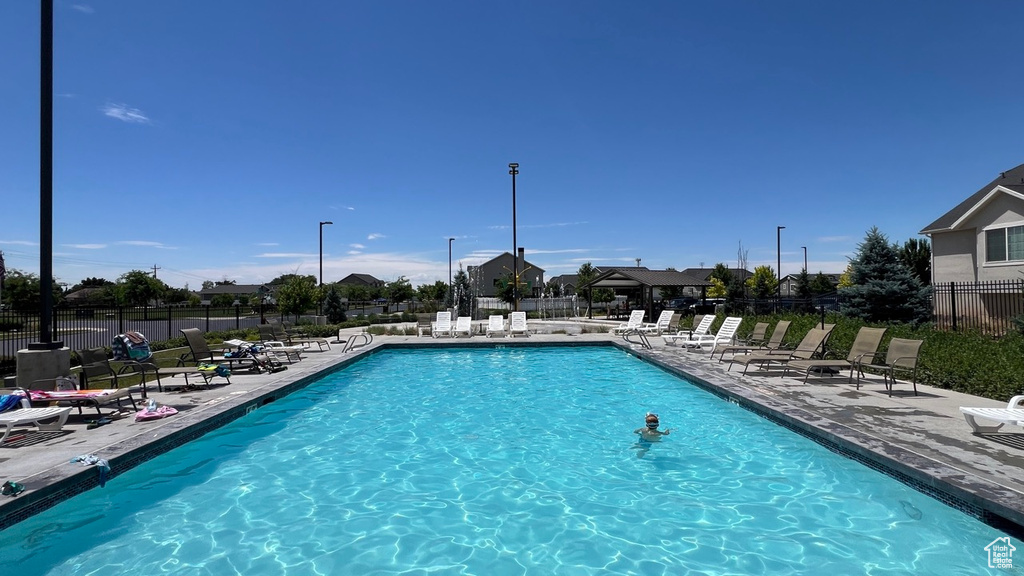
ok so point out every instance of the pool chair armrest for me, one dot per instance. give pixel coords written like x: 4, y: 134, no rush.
x: 1015, y: 402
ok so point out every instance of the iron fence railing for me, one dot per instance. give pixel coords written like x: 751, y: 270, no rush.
x: 81, y: 328
x: 987, y: 307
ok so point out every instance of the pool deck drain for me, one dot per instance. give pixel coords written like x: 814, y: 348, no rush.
x: 921, y: 439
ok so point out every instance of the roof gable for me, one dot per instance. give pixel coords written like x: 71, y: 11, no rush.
x: 1009, y: 182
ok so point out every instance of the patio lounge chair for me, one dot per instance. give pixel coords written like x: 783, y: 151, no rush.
x: 1013, y: 414
x: 635, y: 322
x: 724, y: 336
x: 291, y: 338
x: 277, y: 347
x: 811, y: 345
x: 26, y: 415
x: 96, y: 369
x: 517, y: 324
x: 463, y: 326
x: 45, y: 392
x: 865, y: 345
x: 901, y: 355
x: 773, y: 343
x: 423, y: 326
x: 662, y: 325
x: 199, y: 352
x: 704, y: 327
x: 496, y: 326
x: 442, y: 325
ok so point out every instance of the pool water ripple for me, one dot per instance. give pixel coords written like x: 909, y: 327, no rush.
x: 504, y: 461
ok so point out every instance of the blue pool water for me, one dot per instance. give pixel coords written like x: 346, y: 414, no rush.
x: 494, y: 462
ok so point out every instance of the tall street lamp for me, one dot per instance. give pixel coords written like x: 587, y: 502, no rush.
x: 778, y: 254
x: 451, y: 298
x: 513, y: 170
x: 805, y: 258
x: 320, y: 300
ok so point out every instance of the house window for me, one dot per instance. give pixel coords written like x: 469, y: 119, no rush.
x: 1004, y: 244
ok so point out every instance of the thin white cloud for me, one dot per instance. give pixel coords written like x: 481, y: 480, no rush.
x: 375, y: 236
x: 125, y: 114
x: 146, y: 243
x: 268, y: 244
x: 354, y: 252
x: 87, y: 246
x: 549, y: 225
x: 19, y: 242
x: 357, y: 246
x: 835, y: 239
x: 285, y: 255
x: 566, y: 251
x: 83, y: 8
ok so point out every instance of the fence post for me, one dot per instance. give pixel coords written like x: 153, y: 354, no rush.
x: 952, y: 304
x: 169, y: 322
x: 238, y: 308
x: 207, y: 319
x: 120, y: 319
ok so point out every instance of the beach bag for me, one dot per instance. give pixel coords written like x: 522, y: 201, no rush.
x: 131, y: 347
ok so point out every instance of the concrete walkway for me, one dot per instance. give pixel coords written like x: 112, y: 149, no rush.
x: 923, y: 438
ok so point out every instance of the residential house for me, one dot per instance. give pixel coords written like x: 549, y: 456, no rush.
x: 982, y: 238
x: 979, y: 246
x: 488, y: 278
x: 788, y: 286
x: 705, y: 274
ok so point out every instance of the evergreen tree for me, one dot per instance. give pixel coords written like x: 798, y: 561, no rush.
x: 884, y: 289
x: 916, y: 254
x: 463, y: 293
x: 821, y: 285
x: 763, y: 284
x: 333, y: 309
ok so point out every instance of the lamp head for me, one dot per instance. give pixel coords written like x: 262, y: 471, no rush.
x: 322, y: 223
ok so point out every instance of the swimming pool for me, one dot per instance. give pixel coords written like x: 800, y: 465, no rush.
x: 499, y: 461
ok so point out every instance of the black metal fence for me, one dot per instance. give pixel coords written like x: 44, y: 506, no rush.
x: 81, y: 328
x: 987, y: 307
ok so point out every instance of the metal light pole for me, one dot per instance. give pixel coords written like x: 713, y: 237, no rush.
x: 778, y: 261
x: 513, y: 170
x: 320, y: 300
x: 451, y: 297
x: 805, y: 258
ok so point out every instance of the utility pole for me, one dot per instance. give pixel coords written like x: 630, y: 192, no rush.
x: 155, y: 268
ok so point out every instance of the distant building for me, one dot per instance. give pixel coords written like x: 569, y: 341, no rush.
x: 705, y: 274
x: 361, y: 280
x: 488, y: 278
x: 788, y: 286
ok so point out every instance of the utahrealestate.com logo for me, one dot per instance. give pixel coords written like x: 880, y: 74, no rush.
x: 1000, y: 553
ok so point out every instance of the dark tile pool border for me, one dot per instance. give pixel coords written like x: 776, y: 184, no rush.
x: 988, y: 502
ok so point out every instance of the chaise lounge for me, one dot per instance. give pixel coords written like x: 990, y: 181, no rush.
x: 26, y: 415
x: 1013, y: 414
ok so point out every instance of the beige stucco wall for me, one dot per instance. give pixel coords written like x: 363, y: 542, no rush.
x: 953, y: 256
x: 959, y: 256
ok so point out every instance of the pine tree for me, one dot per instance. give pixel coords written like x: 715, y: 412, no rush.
x: 884, y: 289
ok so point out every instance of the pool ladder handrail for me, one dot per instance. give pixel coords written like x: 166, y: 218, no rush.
x: 643, y: 342
x: 353, y: 341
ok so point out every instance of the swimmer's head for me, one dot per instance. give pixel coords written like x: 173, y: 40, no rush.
x: 652, y: 420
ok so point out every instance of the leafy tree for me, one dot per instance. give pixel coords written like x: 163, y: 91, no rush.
x: 821, y: 285
x: 91, y: 283
x: 916, y: 254
x: 399, y: 290
x: 225, y: 300
x: 297, y: 295
x: 21, y: 291
x: 504, y: 291
x: 722, y: 272
x: 224, y: 282
x: 333, y: 309
x: 463, y: 293
x: 138, y: 288
x: 436, y: 292
x: 283, y: 279
x: 846, y: 278
x: 176, y: 295
x: 763, y: 284
x: 884, y: 289
x: 718, y: 289
x: 207, y: 284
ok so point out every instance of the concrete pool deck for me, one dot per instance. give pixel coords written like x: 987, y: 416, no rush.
x: 921, y: 439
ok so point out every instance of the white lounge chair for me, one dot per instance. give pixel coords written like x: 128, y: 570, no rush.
x: 463, y: 327
x: 724, y: 336
x: 635, y: 322
x: 1013, y: 414
x: 662, y: 325
x: 496, y: 325
x: 517, y: 324
x: 442, y: 325
x: 26, y: 415
x: 704, y: 327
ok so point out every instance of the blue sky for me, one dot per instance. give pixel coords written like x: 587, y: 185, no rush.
x: 211, y: 138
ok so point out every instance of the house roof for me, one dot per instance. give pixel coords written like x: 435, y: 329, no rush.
x: 1008, y: 182
x: 507, y: 254
x: 634, y: 277
x: 360, y: 278
x: 705, y: 273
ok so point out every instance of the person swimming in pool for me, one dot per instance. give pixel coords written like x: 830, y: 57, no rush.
x: 650, y: 432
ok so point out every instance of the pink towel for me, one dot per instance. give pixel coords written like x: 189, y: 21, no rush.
x: 147, y: 414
